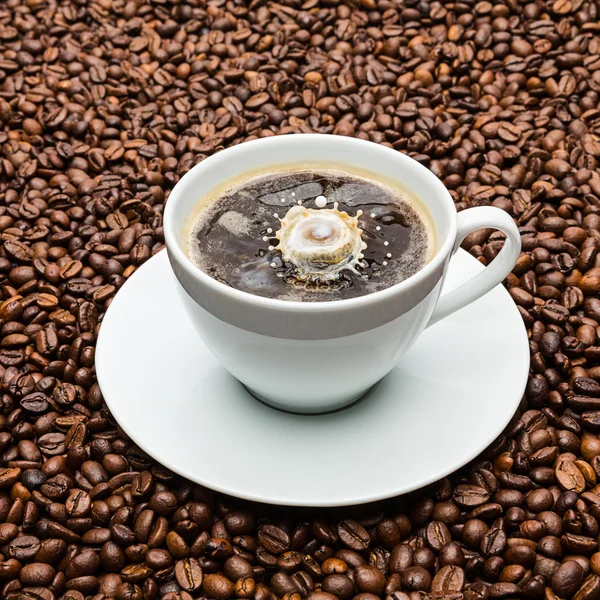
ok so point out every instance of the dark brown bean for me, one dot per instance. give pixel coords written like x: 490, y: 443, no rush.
x: 353, y: 535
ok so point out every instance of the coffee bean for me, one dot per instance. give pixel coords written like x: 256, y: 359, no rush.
x: 23, y: 548
x: 283, y: 584
x: 499, y: 101
x: 452, y: 555
x: 470, y: 496
x: 493, y: 542
x: 388, y: 533
x: 236, y: 522
x: 448, y: 580
x: 188, y: 574
x: 401, y: 558
x: 85, y: 563
x: 274, y: 539
x: 424, y: 557
x: 579, y: 543
x: 521, y: 554
x: 567, y: 579
x: 78, y: 503
x: 18, y: 251
x: 112, y: 557
x: 218, y: 587
x: 322, y: 596
x: 9, y: 569
x: 589, y: 589
x: 37, y: 574
x: 446, y: 512
x: 437, y: 535
x: 473, y: 532
x: 339, y: 585
x: 236, y: 568
x: 416, y: 579
x: 369, y: 579
x: 9, y: 476
x: 353, y: 535
x: 51, y: 551
x: 503, y: 590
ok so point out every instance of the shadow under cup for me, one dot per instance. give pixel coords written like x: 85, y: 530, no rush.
x: 310, y: 357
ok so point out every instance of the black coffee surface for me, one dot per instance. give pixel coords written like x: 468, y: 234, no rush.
x: 227, y: 238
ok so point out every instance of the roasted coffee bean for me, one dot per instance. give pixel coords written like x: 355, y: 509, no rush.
x: 503, y: 590
x: 437, y: 535
x: 163, y: 503
x: 470, y: 496
x: 388, y: 533
x: 85, y: 563
x: 473, y: 532
x: 51, y: 551
x: 218, y: 587
x: 401, y: 558
x: 23, y: 548
x: 188, y: 574
x: 567, y: 579
x: 499, y: 100
x: 493, y: 542
x: 448, y: 580
x: 452, y: 554
x: 339, y: 585
x: 236, y: 568
x: 353, y: 535
x: 274, y: 539
x: 424, y: 557
x: 416, y: 579
x: 589, y: 589
x: 369, y: 579
x: 37, y: 574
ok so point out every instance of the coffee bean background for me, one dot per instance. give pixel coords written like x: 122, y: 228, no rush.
x: 105, y: 104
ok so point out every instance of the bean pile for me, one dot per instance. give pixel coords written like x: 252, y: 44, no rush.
x: 104, y: 104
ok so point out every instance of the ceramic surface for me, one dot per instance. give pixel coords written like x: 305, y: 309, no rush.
x: 449, y: 398
x: 263, y: 342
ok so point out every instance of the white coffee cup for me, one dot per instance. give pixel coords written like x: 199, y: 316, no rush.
x: 313, y: 357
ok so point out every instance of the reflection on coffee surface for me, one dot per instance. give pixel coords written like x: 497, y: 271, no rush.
x: 309, y: 235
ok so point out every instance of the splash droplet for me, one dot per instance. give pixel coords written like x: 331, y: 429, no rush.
x: 320, y: 243
x: 321, y: 201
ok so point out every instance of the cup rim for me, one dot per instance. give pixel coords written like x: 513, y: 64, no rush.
x: 297, y: 306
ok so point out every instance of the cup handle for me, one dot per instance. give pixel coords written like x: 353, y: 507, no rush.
x: 467, y: 222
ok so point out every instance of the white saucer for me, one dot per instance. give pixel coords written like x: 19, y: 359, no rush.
x: 451, y: 396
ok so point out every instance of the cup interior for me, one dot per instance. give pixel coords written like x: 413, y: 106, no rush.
x: 313, y: 151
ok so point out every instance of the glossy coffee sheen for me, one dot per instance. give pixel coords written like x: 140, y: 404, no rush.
x: 229, y: 236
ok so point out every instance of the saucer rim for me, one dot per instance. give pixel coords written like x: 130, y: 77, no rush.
x: 357, y: 500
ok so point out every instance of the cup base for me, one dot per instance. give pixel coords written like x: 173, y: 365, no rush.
x: 327, y: 409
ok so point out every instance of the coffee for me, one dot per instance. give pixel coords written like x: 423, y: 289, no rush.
x: 309, y: 235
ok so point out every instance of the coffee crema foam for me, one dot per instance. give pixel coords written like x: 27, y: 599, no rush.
x: 309, y: 235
